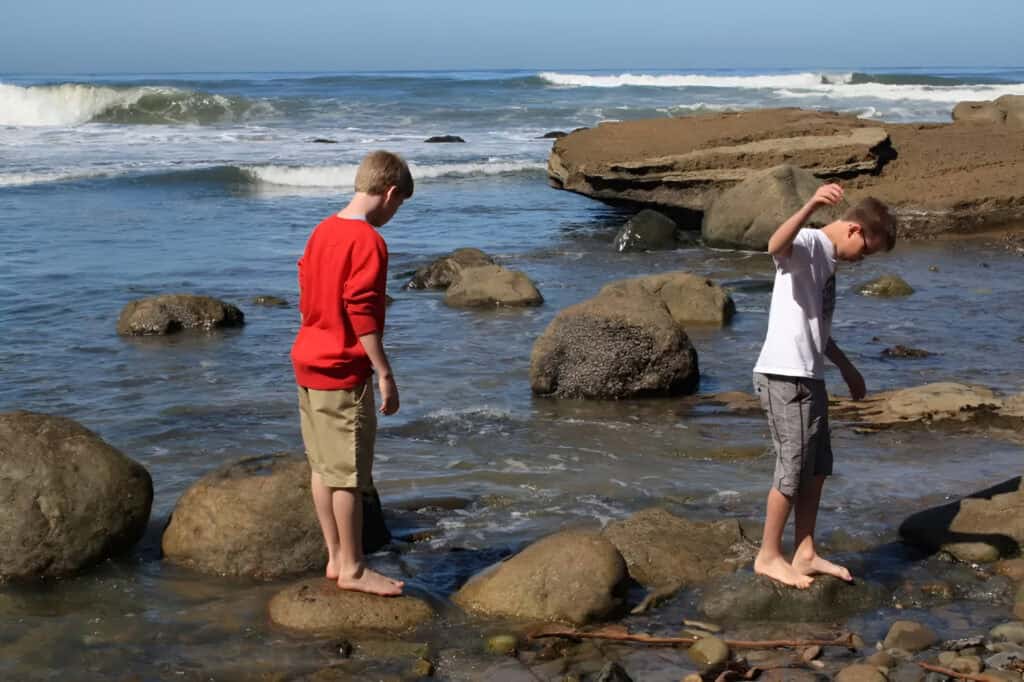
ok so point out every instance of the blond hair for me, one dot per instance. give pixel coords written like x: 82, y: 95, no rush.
x: 875, y: 220
x: 380, y: 170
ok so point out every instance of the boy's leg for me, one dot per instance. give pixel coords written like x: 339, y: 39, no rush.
x: 325, y: 515
x: 780, y: 399
x: 770, y: 562
x: 805, y: 558
x: 816, y: 469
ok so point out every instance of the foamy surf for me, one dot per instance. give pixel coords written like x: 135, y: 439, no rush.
x: 73, y: 104
x: 796, y: 80
x: 343, y: 176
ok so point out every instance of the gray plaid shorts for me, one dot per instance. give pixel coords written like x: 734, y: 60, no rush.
x: 797, y: 410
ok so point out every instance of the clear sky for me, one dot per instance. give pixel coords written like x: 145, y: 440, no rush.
x: 77, y: 36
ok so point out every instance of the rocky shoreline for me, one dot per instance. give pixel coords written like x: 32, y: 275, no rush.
x: 957, y: 178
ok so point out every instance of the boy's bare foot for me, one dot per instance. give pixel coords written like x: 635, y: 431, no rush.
x: 817, y: 566
x: 332, y: 571
x: 778, y: 569
x: 371, y: 582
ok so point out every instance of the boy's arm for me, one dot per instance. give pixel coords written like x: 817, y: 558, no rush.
x: 850, y: 374
x: 374, y: 348
x: 781, y: 242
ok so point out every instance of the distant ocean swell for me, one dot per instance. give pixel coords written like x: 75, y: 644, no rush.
x: 339, y: 176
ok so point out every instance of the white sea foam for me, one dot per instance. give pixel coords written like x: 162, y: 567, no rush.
x: 344, y: 175
x: 794, y: 80
x: 44, y: 177
x: 919, y: 93
x: 63, y: 105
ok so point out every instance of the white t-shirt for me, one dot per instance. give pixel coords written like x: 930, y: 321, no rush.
x: 800, y: 318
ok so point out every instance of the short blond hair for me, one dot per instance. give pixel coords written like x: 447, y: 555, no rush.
x: 875, y: 220
x: 380, y: 170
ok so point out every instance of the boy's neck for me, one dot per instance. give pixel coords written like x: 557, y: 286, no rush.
x: 834, y: 231
x: 360, y: 206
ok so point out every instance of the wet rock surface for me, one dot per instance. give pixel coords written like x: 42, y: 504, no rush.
x: 68, y: 499
x: 170, y: 313
x: 317, y: 606
x: 648, y: 230
x: 748, y: 597
x: 446, y: 270
x: 492, y: 285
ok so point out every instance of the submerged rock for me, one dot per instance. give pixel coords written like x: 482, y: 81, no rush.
x: 269, y: 301
x: 255, y: 518
x: 861, y: 672
x: 983, y: 526
x: 662, y: 549
x: 901, y: 351
x: 492, y: 285
x: 647, y: 231
x: 444, y: 138
x: 747, y: 597
x: 553, y: 135
x: 910, y: 636
x: 317, y: 606
x: 746, y: 215
x: 68, y: 499
x: 709, y: 652
x: 886, y: 286
x: 171, y: 313
x: 446, y: 270
x: 571, y: 576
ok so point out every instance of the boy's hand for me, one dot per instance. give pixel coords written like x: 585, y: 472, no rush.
x: 827, y: 195
x: 855, y: 381
x: 388, y: 394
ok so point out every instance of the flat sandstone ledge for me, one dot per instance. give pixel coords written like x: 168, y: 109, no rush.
x: 941, y: 178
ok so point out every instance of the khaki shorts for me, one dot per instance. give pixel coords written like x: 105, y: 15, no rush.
x: 339, y: 429
x: 797, y: 410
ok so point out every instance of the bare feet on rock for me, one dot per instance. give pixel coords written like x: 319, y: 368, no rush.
x: 371, y: 582
x: 780, y: 570
x: 818, y: 566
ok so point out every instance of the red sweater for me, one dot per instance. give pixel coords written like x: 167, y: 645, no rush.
x: 342, y: 277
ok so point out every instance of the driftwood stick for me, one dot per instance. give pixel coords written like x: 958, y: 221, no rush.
x: 952, y: 673
x: 621, y: 634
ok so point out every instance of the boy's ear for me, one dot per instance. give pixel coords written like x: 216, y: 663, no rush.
x: 389, y: 194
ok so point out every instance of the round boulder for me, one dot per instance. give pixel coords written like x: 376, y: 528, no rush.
x: 984, y: 112
x: 910, y: 636
x: 662, y: 549
x: 745, y: 215
x: 317, y: 606
x: 67, y: 498
x: 746, y: 596
x: 256, y: 518
x: 171, y: 313
x: 984, y: 526
x: 571, y: 576
x: 619, y: 344
x: 446, y: 270
x: 492, y: 285
x: 861, y: 672
x: 690, y: 299
x: 886, y: 286
x: 647, y: 231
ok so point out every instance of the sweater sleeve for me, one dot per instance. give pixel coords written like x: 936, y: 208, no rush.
x: 363, y: 293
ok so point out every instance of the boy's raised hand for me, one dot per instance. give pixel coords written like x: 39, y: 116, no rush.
x: 827, y: 195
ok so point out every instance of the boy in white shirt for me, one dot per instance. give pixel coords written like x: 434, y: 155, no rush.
x: 789, y: 376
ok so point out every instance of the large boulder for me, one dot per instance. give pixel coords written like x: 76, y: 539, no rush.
x: 67, y: 498
x: 616, y: 345
x: 171, y: 313
x: 648, y: 230
x: 662, y: 549
x: 690, y: 299
x: 749, y: 597
x: 255, y: 518
x: 446, y: 270
x: 983, y: 526
x: 316, y: 606
x: 1013, y: 105
x: 492, y: 285
x: 746, y: 215
x: 571, y: 576
x: 983, y: 112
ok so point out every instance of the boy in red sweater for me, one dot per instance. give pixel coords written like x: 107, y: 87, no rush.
x: 342, y: 276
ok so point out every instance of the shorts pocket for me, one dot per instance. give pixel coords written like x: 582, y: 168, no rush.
x: 798, y: 392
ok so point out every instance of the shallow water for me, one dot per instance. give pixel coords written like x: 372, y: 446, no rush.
x: 518, y: 466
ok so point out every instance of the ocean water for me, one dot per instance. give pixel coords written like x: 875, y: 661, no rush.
x: 116, y: 187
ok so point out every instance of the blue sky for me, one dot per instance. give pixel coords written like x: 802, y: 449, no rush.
x: 78, y: 36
